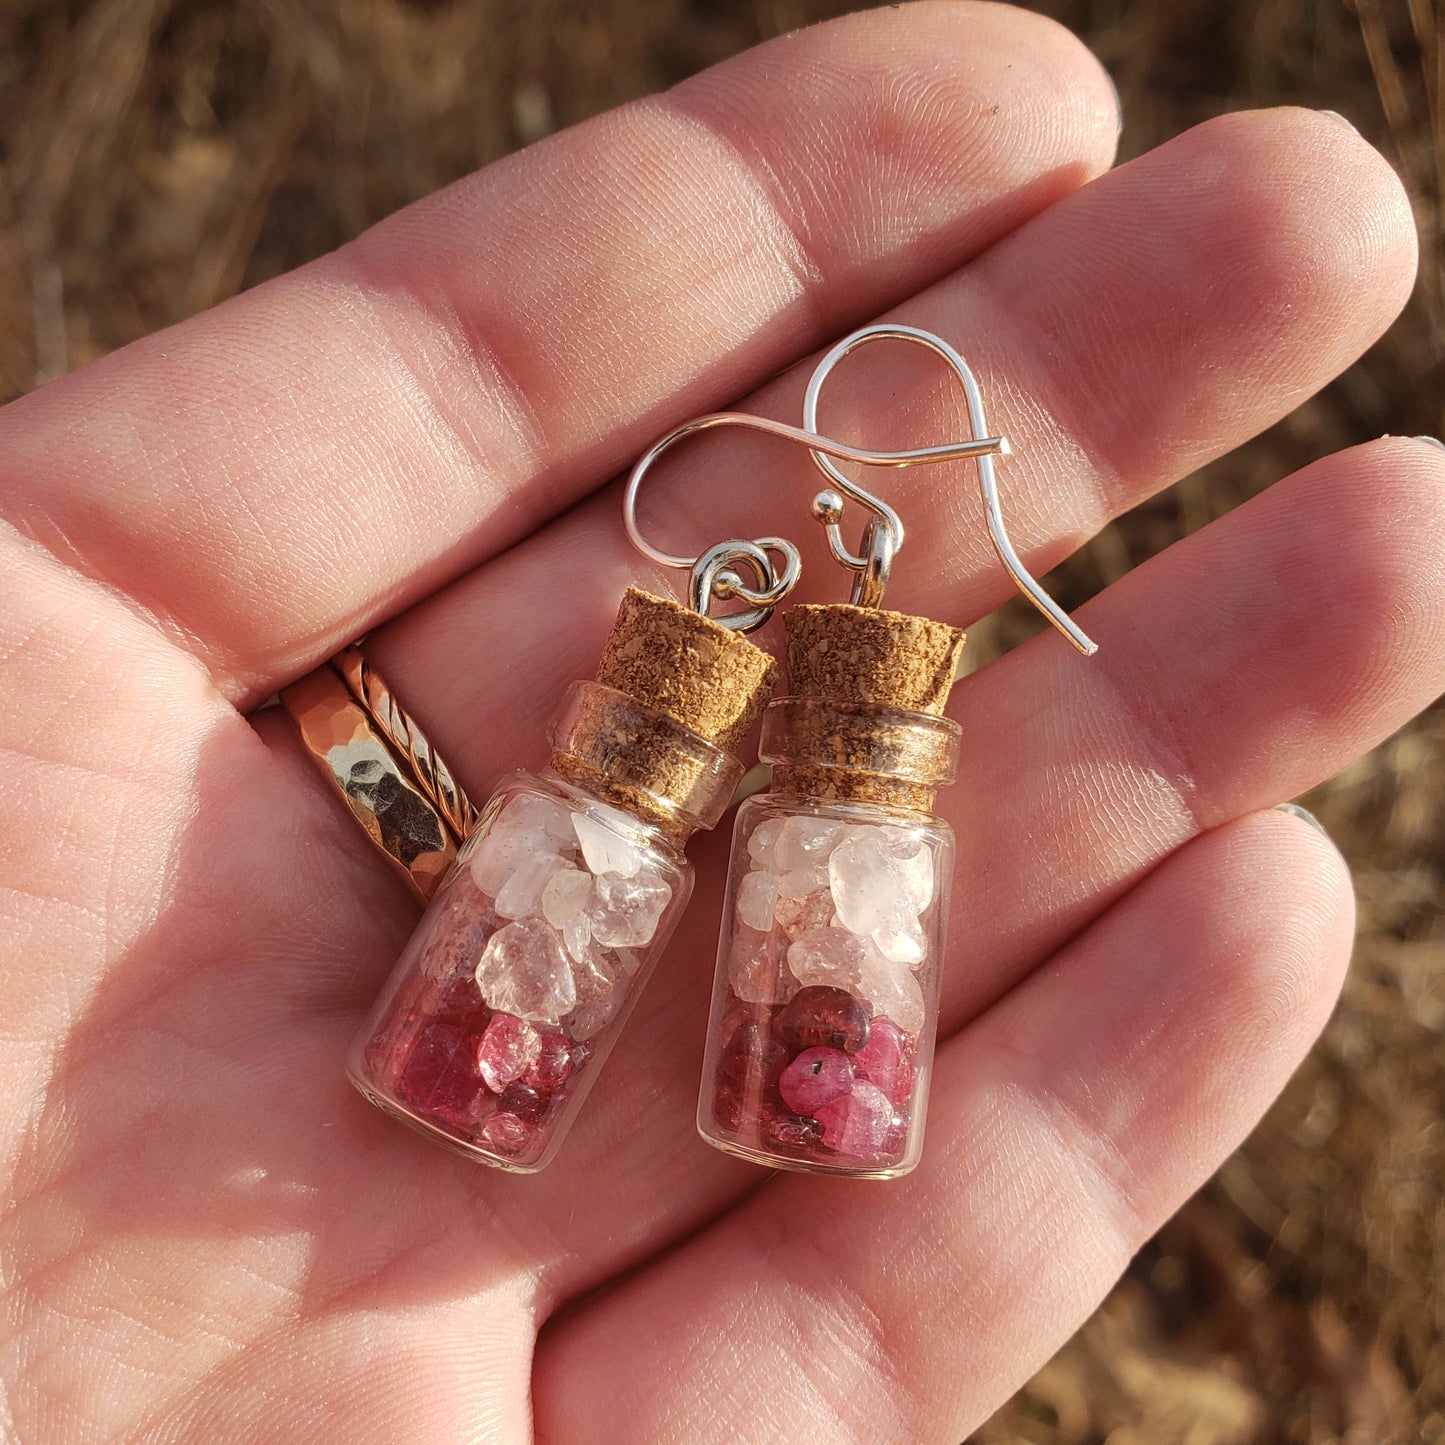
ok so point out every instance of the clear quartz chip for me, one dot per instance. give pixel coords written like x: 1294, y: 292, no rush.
x: 627, y: 910
x: 522, y: 972
x: 605, y: 850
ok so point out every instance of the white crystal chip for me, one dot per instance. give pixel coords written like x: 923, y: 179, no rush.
x: 829, y: 956
x: 527, y: 823
x: 804, y: 842
x: 758, y: 968
x: 795, y: 916
x: 604, y: 849
x: 627, y: 910
x: 598, y: 995
x: 521, y: 895
x: 891, y: 991
x: 522, y: 972
x: 915, y: 859
x: 757, y: 897
x: 577, y: 936
x: 763, y: 841
x: 901, y: 941
x: 800, y: 882
x: 881, y: 878
x: 567, y: 894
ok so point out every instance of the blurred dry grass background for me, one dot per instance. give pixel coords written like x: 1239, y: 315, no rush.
x: 157, y: 155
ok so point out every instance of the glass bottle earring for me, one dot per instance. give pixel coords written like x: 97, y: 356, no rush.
x: 506, y: 1001
x: 825, y: 1001
x: 502, y: 1009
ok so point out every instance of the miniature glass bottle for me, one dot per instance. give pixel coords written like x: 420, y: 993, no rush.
x: 519, y: 978
x: 825, y: 1002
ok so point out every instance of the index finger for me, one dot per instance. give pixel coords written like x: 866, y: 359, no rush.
x: 269, y: 479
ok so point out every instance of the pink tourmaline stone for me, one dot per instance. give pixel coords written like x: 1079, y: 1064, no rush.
x: 753, y: 1058
x: 728, y: 1108
x: 793, y: 1131
x: 815, y: 1078
x: 527, y: 1104
x: 884, y: 1060
x: 549, y: 1070
x: 505, y: 1049
x: 858, y: 1124
x: 747, y: 1074
x: 456, y: 1002
x: 821, y: 1017
x: 440, y: 1078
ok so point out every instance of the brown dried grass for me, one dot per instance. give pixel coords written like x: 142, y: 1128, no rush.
x: 160, y: 154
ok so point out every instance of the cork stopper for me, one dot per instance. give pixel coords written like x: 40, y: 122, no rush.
x: 860, y: 654
x: 675, y: 694
x: 858, y: 680
x: 708, y: 677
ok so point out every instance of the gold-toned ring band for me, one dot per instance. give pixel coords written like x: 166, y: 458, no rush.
x: 383, y: 768
x: 407, y: 740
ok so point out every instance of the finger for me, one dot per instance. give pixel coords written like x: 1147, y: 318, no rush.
x: 1066, y: 1125
x: 268, y: 479
x: 1246, y: 263
x: 1239, y: 668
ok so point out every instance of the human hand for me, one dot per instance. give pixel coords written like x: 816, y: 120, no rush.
x: 207, y: 1235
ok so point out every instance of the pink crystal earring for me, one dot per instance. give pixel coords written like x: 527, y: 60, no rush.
x: 515, y: 985
x: 825, y: 1001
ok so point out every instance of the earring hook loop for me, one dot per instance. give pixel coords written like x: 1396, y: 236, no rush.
x: 714, y: 572
x: 884, y: 521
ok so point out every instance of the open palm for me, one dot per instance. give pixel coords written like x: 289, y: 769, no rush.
x: 207, y: 1235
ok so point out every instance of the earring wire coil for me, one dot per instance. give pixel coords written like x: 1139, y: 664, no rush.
x: 884, y: 533
x: 715, y: 572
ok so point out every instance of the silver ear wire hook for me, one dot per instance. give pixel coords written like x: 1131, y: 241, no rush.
x: 883, y: 535
x: 715, y: 571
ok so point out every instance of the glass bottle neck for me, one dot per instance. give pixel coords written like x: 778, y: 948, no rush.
x: 630, y: 755
x: 859, y: 751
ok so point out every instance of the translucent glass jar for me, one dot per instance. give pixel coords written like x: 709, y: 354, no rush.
x: 825, y: 1002
x: 519, y: 978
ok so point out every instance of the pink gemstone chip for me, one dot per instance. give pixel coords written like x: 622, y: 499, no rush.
x: 884, y: 1060
x: 753, y: 1058
x: 505, y: 1049
x: 439, y: 1080
x: 549, y: 1070
x: 793, y: 1131
x: 815, y: 1078
x: 859, y: 1123
x: 527, y: 1104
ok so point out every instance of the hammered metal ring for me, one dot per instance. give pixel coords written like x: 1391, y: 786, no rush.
x: 379, y: 762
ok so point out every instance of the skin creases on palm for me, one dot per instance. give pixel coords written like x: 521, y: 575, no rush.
x: 207, y: 1234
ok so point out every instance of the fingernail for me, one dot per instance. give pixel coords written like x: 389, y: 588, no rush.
x: 1348, y: 124
x: 1298, y: 812
x: 1432, y: 442
x: 1118, y: 103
